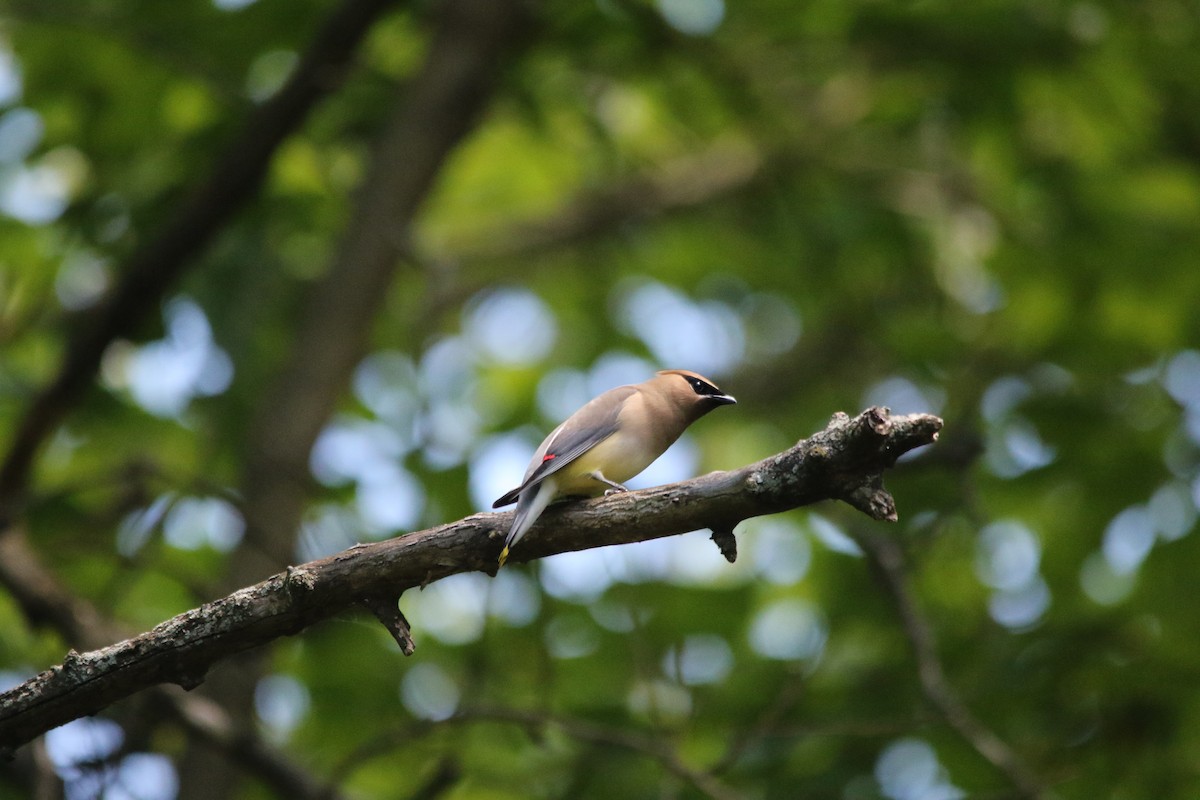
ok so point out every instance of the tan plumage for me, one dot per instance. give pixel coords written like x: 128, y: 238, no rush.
x: 608, y: 441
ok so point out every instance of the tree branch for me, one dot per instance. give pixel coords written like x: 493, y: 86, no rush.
x: 837, y: 463
x: 151, y: 269
x: 686, y: 182
x: 654, y: 747
x: 887, y: 559
x: 211, y: 723
x: 44, y: 600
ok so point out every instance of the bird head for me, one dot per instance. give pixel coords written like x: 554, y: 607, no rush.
x: 691, y: 391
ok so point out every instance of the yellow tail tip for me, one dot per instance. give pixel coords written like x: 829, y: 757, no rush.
x: 504, y: 555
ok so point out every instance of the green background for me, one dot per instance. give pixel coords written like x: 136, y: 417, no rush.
x: 989, y: 211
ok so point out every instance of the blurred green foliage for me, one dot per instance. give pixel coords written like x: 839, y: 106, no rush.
x: 989, y: 211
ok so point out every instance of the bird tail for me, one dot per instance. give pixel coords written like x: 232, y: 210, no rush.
x: 510, y: 497
x: 532, y: 503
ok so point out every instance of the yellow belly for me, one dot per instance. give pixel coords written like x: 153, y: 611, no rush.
x: 614, y: 458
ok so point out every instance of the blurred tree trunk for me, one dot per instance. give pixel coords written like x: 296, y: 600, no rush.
x: 431, y: 115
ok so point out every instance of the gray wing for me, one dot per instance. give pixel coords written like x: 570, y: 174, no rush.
x: 581, y: 431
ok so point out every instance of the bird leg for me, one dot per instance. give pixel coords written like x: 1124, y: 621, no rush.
x: 616, y: 487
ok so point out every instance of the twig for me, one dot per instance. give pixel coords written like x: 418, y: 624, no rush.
x: 441, y: 781
x: 651, y: 746
x: 386, y: 608
x: 212, y: 724
x: 456, y: 273
x: 33, y: 771
x: 726, y: 542
x: 887, y: 560
x: 767, y: 724
x: 686, y: 182
x: 830, y: 464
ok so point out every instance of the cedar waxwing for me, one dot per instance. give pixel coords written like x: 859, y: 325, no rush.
x: 609, y: 440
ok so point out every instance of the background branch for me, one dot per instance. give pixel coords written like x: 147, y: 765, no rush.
x: 651, y: 746
x: 683, y: 183
x: 235, y: 177
x: 887, y: 560
x: 44, y: 601
x: 828, y: 465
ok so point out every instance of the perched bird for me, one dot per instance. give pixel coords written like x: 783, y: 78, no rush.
x: 611, y: 439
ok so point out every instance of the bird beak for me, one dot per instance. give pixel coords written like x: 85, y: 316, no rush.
x: 723, y: 399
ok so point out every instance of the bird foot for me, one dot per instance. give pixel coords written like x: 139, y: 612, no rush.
x: 615, y: 490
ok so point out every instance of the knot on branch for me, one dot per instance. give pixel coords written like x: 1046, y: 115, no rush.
x: 298, y: 580
x: 188, y: 677
x: 74, y: 664
x: 872, y: 499
x: 865, y: 433
x: 878, y: 419
x: 874, y: 439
